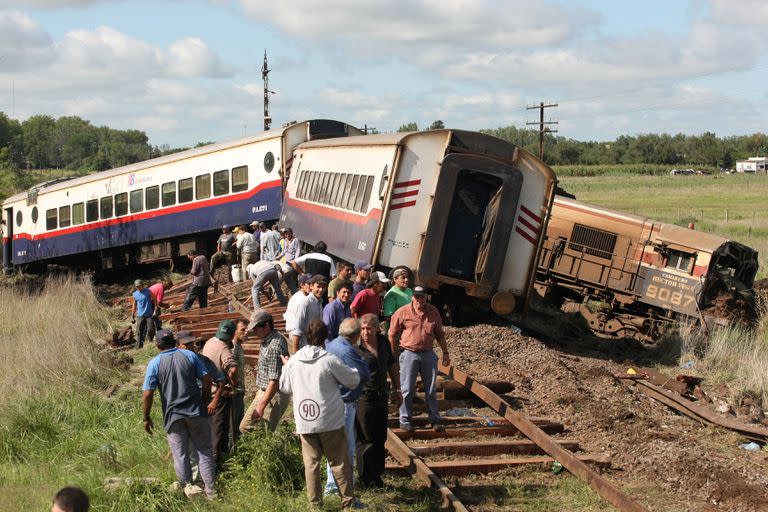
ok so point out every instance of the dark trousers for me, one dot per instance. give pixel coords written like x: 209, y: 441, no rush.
x: 238, y: 410
x: 145, y: 328
x: 196, y: 292
x: 371, y: 427
x: 220, y: 422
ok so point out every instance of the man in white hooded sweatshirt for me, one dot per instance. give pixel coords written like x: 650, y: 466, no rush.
x: 313, y: 377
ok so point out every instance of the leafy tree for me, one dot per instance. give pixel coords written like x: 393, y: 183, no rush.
x: 38, y: 135
x: 410, y: 127
x: 437, y: 125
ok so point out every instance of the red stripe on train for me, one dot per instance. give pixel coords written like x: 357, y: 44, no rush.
x: 403, y: 184
x: 401, y: 205
x: 153, y: 213
x: 530, y: 214
x: 407, y: 193
x: 527, y: 224
x: 352, y: 218
x: 525, y: 235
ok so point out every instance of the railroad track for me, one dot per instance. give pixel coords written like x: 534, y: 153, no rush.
x: 474, y: 443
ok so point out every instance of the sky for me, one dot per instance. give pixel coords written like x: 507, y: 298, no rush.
x: 190, y: 71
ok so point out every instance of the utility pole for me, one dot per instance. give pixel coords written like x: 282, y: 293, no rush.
x: 265, y: 76
x: 367, y: 128
x: 541, y: 106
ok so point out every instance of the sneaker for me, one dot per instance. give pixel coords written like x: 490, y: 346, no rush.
x: 192, y: 491
x: 406, y: 428
x: 175, y: 487
x: 438, y: 427
x: 359, y: 505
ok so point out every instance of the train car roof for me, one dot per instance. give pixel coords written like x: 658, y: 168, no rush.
x: 378, y: 139
x: 146, y: 164
x: 667, y: 232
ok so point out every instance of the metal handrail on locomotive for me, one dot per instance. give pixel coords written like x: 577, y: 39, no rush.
x: 632, y: 276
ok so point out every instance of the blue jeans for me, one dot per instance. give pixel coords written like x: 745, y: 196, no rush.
x: 350, y: 413
x: 271, y: 277
x: 412, y: 364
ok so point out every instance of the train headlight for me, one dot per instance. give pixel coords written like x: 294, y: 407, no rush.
x: 503, y: 303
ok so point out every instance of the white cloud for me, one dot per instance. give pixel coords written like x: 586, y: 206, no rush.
x: 48, y: 4
x: 23, y: 42
x: 192, y: 57
x: 744, y: 12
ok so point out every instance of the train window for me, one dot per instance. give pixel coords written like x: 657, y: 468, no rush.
x: 361, y: 193
x: 78, y: 214
x: 680, y: 260
x: 169, y: 193
x: 121, y: 204
x: 92, y: 210
x: 185, y: 190
x: 152, y: 198
x: 324, y: 189
x: 312, y: 185
x: 307, y: 184
x: 18, y: 218
x: 367, y: 194
x: 592, y: 241
x: 269, y: 161
x: 34, y: 214
x: 137, y: 201
x: 221, y: 183
x: 340, y: 190
x: 65, y: 218
x: 203, y: 186
x: 332, y: 188
x: 240, y: 178
x: 50, y: 219
x: 105, y: 207
x: 302, y: 184
x: 351, y: 191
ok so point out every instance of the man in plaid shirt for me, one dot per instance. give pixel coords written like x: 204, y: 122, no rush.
x: 269, y: 403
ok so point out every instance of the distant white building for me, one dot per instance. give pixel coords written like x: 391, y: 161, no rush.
x: 753, y: 164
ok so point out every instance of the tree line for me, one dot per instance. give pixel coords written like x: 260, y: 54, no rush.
x: 43, y: 142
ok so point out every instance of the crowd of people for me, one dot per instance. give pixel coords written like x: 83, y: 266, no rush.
x: 349, y: 328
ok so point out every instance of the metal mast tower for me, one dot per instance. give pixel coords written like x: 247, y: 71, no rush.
x: 265, y: 76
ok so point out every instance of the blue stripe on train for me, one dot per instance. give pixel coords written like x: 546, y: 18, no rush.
x: 263, y: 205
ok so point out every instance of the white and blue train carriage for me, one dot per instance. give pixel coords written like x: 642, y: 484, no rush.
x: 158, y: 209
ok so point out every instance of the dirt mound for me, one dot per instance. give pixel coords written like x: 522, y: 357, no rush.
x: 669, y: 462
x: 734, y: 308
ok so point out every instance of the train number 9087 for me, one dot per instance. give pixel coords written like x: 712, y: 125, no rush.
x: 664, y: 294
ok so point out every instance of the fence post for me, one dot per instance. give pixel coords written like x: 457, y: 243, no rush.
x: 726, y: 215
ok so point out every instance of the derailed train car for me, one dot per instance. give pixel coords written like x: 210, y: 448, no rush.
x: 630, y: 276
x: 157, y: 209
x: 467, y: 212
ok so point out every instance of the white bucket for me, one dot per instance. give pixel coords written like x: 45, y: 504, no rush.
x: 236, y: 277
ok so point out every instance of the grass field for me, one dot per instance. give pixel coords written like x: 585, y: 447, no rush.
x: 733, y: 206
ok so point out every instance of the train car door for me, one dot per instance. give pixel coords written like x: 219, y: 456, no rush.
x: 470, y: 223
x: 8, y: 242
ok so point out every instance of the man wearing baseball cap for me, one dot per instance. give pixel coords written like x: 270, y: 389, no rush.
x: 269, y: 404
x: 185, y: 419
x: 370, y: 300
x: 362, y: 274
x: 142, y: 309
x: 219, y: 350
x: 414, y: 328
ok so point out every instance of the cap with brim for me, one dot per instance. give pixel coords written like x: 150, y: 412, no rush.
x: 378, y: 277
x: 225, y: 226
x: 255, y: 224
x: 226, y: 330
x: 185, y: 337
x: 419, y: 290
x: 305, y: 278
x: 138, y: 282
x: 164, y: 336
x: 236, y: 229
x: 362, y: 265
x: 286, y: 230
x: 258, y: 318
x: 399, y: 272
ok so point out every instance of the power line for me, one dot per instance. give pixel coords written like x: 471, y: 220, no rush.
x: 542, y: 128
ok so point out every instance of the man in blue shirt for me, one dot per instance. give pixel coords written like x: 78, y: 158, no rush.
x: 185, y: 419
x: 142, y: 308
x: 345, y: 348
x: 337, y: 310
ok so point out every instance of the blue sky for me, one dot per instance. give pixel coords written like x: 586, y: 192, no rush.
x: 189, y: 71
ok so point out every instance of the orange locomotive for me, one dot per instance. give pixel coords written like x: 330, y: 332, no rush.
x: 630, y: 276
